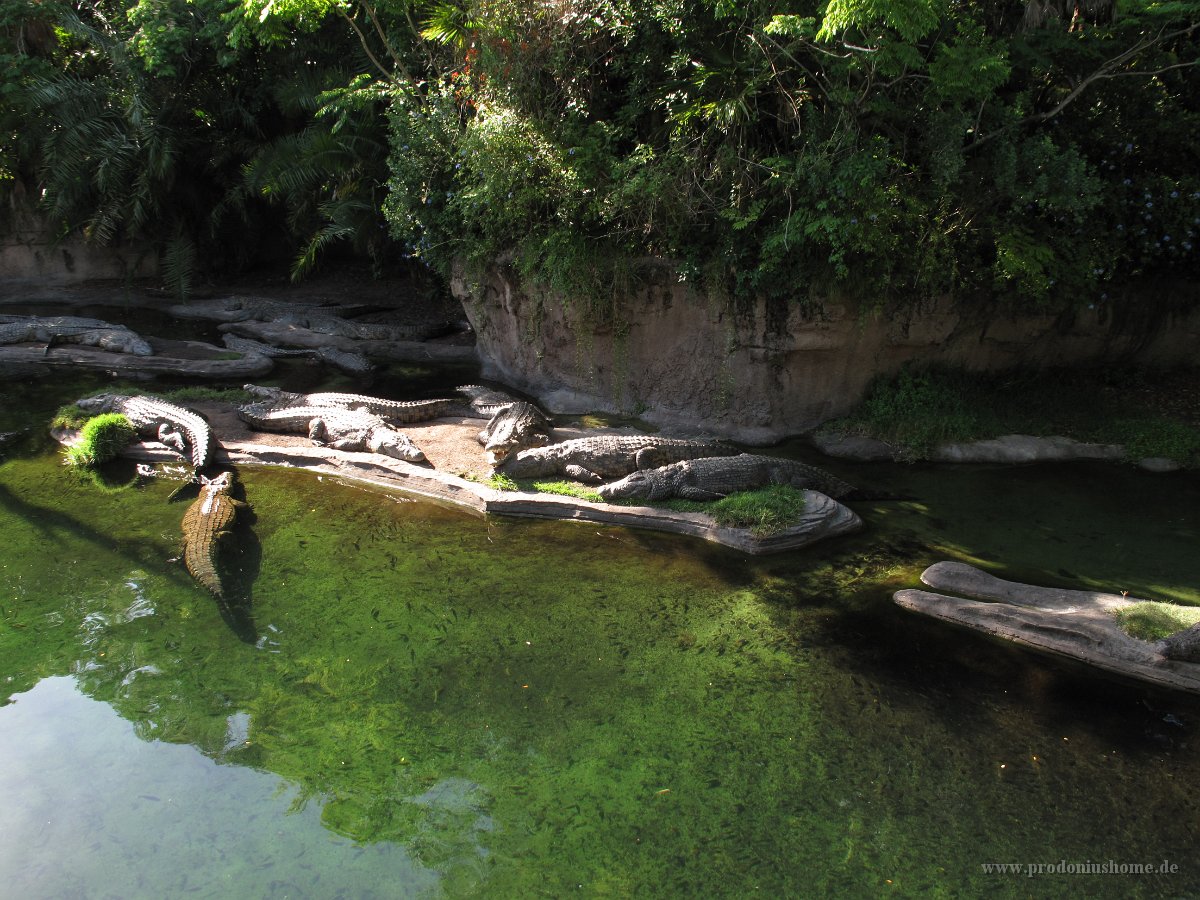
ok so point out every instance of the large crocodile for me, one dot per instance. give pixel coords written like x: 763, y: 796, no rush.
x: 603, y: 457
x: 402, y: 411
x: 53, y: 330
x: 516, y: 427
x: 205, y: 524
x: 341, y: 429
x: 313, y: 317
x: 180, y: 429
x: 246, y: 345
x: 485, y: 402
x: 716, y: 477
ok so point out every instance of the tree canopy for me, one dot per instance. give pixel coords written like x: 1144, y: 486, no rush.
x: 1040, y: 150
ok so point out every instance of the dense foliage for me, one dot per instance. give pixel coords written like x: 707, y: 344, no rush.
x: 1039, y: 150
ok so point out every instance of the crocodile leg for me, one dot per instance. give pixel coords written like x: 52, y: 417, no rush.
x: 579, y: 473
x: 317, y: 432
x: 354, y: 443
x: 173, y: 438
x: 691, y: 492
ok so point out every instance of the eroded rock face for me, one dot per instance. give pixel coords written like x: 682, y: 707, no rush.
x: 677, y: 359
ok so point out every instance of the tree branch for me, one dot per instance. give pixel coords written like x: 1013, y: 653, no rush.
x: 1107, y: 69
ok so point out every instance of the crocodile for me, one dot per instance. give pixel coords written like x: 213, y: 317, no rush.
x: 516, y: 427
x: 207, y: 521
x: 603, y: 457
x: 715, y: 477
x: 344, y: 360
x: 317, y: 317
x: 399, y: 411
x: 53, y: 330
x: 485, y: 402
x: 341, y: 429
x: 246, y: 345
x: 182, y: 430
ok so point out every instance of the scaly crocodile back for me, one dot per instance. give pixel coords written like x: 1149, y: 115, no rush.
x: 611, y: 456
x: 402, y: 411
x: 205, y: 523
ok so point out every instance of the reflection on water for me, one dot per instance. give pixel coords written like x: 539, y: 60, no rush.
x: 442, y: 705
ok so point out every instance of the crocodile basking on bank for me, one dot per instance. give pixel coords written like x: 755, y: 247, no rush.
x: 717, y: 477
x: 341, y: 429
x: 321, y: 318
x: 485, y: 402
x: 516, y: 427
x: 182, y: 430
x: 596, y: 459
x: 205, y: 524
x: 72, y: 330
x: 402, y: 411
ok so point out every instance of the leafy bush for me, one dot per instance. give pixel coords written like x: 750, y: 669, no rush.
x: 102, y: 438
x: 921, y: 408
x: 1159, y: 437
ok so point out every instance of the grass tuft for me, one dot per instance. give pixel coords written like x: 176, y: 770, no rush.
x: 1152, y: 621
x: 101, y: 439
x: 567, y: 489
x: 919, y: 408
x: 766, y: 511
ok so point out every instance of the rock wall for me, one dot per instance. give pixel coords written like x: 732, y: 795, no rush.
x: 29, y: 253
x: 679, y: 360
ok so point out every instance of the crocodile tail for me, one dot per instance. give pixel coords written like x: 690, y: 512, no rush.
x: 202, y: 564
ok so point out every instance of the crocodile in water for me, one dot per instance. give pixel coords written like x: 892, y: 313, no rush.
x: 341, y: 429
x: 72, y: 330
x: 402, y: 411
x: 182, y: 430
x: 603, y: 457
x: 205, y: 524
x: 717, y: 477
x: 246, y: 345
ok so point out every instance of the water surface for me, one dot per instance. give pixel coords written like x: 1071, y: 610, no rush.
x: 415, y: 701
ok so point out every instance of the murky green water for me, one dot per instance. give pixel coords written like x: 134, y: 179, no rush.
x: 420, y: 702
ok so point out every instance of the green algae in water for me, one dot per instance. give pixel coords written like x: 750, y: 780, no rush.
x: 521, y: 707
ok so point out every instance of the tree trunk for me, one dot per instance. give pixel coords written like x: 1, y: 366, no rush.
x: 1183, y: 645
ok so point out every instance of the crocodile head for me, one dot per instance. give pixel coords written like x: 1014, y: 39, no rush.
x: 101, y: 403
x: 518, y: 428
x: 640, y: 485
x: 220, y: 483
x: 122, y: 341
x: 396, y: 445
x: 524, y: 464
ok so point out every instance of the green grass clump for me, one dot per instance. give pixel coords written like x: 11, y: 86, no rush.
x: 1152, y: 621
x: 567, y: 489
x: 69, y: 418
x: 101, y: 439
x: 1159, y: 437
x: 501, y: 482
x: 766, y: 511
x: 921, y: 408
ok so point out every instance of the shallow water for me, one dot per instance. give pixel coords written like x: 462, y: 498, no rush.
x: 420, y: 702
